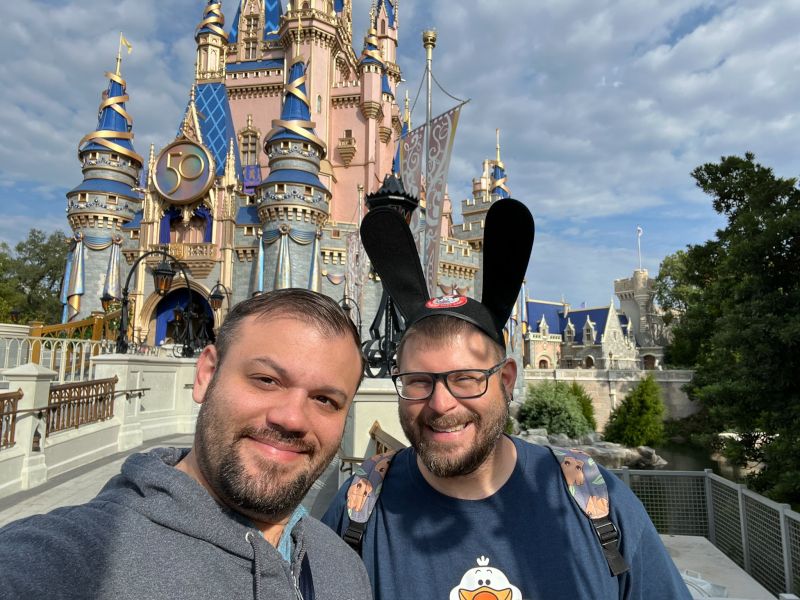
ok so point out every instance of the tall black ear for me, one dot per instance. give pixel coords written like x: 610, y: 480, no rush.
x: 507, y: 244
x: 391, y: 248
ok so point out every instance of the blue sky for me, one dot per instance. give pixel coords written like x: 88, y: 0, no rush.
x: 605, y: 107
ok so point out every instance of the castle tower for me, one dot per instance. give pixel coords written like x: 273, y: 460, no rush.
x: 211, y: 44
x: 99, y: 207
x: 637, y: 300
x: 293, y: 204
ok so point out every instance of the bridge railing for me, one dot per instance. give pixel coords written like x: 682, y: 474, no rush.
x: 71, y: 405
x: 8, y: 417
x: 759, y: 535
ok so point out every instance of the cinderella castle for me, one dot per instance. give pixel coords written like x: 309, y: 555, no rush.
x: 288, y: 137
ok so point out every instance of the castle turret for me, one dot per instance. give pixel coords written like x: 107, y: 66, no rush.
x: 293, y: 204
x: 105, y: 201
x: 211, y: 44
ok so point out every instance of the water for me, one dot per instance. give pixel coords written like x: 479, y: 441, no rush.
x: 681, y: 457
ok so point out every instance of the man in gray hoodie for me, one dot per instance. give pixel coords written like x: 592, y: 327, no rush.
x: 222, y: 520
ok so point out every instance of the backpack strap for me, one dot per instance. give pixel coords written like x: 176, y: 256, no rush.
x: 588, y: 489
x: 362, y: 495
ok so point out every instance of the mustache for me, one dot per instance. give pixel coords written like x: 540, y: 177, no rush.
x: 278, y: 435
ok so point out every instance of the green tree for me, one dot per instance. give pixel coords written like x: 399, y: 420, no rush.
x: 639, y: 420
x: 553, y: 406
x: 32, y: 275
x: 585, y: 402
x: 740, y: 325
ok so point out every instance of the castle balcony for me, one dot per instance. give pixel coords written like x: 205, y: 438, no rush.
x: 198, y: 259
x: 347, y: 149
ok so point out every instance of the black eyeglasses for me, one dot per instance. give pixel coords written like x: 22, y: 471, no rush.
x: 461, y: 383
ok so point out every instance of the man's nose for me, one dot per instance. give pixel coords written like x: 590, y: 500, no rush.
x: 441, y: 400
x: 290, y: 411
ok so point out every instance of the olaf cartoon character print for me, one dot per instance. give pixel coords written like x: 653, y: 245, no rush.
x: 485, y: 583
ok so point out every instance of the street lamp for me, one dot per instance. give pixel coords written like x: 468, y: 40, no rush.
x: 14, y: 314
x: 217, y: 296
x: 163, y: 275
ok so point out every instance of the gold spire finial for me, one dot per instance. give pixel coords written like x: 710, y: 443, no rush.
x: 497, y: 135
x: 407, y: 112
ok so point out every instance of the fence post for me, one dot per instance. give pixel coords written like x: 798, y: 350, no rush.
x: 34, y: 381
x: 36, y: 348
x: 743, y: 527
x: 787, y: 551
x: 712, y: 532
x: 626, y: 476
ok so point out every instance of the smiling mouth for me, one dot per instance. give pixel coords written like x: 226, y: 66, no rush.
x: 453, y: 429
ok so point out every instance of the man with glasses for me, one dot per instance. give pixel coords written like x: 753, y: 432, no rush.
x: 468, y: 513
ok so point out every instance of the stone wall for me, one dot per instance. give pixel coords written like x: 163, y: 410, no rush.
x: 608, y: 388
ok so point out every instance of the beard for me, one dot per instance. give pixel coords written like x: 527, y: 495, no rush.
x: 447, y: 460
x: 275, y: 490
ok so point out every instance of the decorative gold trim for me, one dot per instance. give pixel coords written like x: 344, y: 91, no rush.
x: 214, y: 20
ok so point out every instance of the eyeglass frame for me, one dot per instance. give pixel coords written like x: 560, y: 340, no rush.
x: 442, y: 376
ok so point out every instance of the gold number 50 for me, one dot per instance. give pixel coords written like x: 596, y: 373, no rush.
x: 181, y: 171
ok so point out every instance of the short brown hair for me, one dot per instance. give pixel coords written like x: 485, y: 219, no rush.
x: 438, y: 328
x: 316, y: 309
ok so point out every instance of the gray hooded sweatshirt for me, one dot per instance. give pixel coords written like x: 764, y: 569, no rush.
x: 153, y: 532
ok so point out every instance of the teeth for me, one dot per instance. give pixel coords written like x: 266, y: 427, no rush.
x: 449, y: 429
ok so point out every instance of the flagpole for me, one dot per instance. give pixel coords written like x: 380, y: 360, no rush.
x: 119, y: 54
x: 429, y: 42
x: 639, y: 245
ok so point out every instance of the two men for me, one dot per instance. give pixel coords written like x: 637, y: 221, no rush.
x: 222, y: 520
x: 468, y: 513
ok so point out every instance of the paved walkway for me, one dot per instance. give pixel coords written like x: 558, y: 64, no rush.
x: 77, y: 486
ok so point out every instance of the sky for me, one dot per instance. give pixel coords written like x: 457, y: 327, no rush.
x: 605, y: 107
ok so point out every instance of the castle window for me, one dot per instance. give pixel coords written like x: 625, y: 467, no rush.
x: 112, y: 200
x: 284, y: 145
x: 115, y: 157
x: 336, y: 234
x: 348, y: 133
x: 319, y: 104
x: 308, y: 190
x: 250, y: 49
x: 249, y: 148
x: 249, y: 231
x: 93, y: 155
x: 383, y: 27
x: 543, y: 364
x: 465, y: 251
x: 251, y: 200
x: 134, y: 234
x: 81, y: 197
x: 280, y: 188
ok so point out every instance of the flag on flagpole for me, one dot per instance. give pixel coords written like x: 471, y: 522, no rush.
x: 639, y: 231
x: 123, y: 40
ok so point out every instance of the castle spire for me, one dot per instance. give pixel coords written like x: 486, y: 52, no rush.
x: 213, y: 21
x: 295, y: 122
x: 114, y: 124
x: 499, y: 186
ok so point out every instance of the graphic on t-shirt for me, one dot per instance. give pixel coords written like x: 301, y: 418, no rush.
x: 485, y: 583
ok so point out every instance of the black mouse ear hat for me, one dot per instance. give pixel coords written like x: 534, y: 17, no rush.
x: 507, y: 245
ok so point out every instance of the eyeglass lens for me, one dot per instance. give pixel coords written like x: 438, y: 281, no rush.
x: 461, y: 384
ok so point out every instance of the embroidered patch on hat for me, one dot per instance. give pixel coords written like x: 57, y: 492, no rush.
x: 446, y: 302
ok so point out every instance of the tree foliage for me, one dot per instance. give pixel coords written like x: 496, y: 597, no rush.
x: 32, y: 274
x: 639, y: 420
x: 585, y: 402
x: 553, y: 406
x: 740, y: 322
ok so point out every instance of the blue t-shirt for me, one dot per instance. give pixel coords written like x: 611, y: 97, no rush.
x: 527, y: 541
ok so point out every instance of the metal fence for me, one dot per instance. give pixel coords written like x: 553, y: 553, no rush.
x: 71, y: 405
x: 759, y: 535
x: 8, y: 417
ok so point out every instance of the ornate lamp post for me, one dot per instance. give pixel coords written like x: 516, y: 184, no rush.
x: 163, y: 275
x: 14, y: 314
x: 217, y: 295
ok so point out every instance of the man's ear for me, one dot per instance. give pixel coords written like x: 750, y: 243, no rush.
x: 508, y: 375
x: 204, y: 373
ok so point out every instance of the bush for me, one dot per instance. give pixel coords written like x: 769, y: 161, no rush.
x: 638, y: 421
x: 585, y: 402
x: 553, y: 406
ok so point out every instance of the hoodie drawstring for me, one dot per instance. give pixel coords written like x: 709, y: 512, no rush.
x: 250, y: 537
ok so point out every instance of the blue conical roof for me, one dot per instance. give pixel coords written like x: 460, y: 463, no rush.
x: 112, y: 118
x: 499, y: 181
x: 296, y: 110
